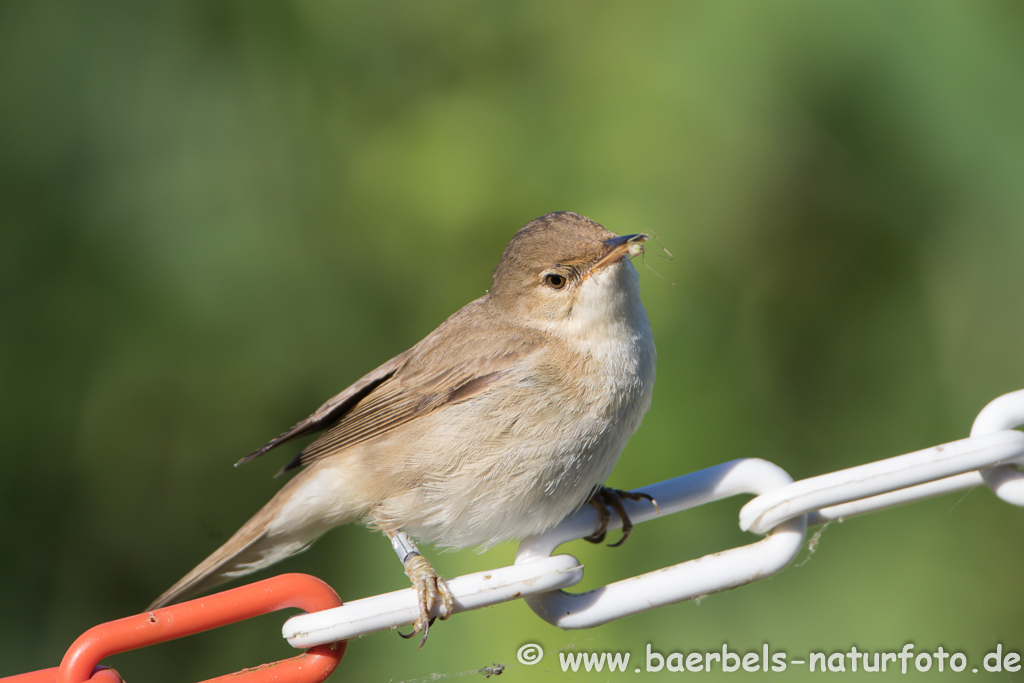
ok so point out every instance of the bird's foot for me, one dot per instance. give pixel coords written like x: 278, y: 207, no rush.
x: 429, y: 587
x: 605, y: 500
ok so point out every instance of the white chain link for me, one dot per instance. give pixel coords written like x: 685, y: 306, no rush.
x: 782, y: 510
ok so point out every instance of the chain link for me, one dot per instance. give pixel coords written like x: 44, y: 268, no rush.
x: 782, y: 510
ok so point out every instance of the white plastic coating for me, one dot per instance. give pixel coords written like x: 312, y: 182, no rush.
x: 931, y: 489
x: 684, y: 581
x: 471, y: 591
x: 782, y: 510
x: 1005, y: 412
x: 855, y: 486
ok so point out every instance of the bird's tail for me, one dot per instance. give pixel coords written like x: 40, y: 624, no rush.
x: 301, y: 511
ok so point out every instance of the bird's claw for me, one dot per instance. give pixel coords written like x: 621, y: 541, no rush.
x: 429, y: 587
x: 607, y: 499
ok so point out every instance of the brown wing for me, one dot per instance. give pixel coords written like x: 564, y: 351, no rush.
x: 454, y: 363
x: 391, y: 405
x: 329, y: 412
x: 411, y: 393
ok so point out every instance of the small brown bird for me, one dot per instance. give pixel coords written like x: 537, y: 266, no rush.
x: 500, y: 423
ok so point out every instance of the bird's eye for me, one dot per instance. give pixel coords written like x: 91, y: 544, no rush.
x: 554, y: 280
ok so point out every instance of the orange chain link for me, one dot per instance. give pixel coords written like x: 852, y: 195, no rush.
x: 81, y: 662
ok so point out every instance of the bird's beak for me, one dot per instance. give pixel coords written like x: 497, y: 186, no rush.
x: 619, y: 248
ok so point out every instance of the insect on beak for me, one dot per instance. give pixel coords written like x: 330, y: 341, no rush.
x: 619, y: 248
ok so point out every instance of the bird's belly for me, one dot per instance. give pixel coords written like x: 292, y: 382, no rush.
x: 511, y: 473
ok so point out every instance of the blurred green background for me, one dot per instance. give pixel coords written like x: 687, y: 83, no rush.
x: 215, y: 215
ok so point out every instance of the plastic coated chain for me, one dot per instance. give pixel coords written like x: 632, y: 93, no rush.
x: 783, y: 510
